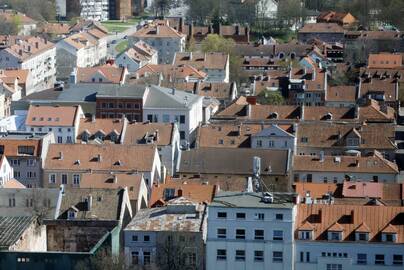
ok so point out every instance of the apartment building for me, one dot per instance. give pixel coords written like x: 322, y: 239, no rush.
x: 164, y: 105
x: 248, y: 230
x: 163, y: 38
x: 167, y: 235
x: 26, y: 154
x: 67, y: 163
x: 96, y: 10
x: 348, y: 237
x: 137, y: 56
x: 215, y: 65
x: 63, y: 122
x: 34, y: 54
x: 337, y: 169
x: 83, y: 49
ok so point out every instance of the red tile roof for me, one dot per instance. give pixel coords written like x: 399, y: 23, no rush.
x: 51, y: 115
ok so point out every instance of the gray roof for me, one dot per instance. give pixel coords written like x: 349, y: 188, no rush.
x: 22, y: 135
x: 11, y: 229
x: 161, y: 97
x: 252, y: 200
x: 170, y: 218
x: 233, y: 161
x: 87, y: 92
x: 106, y: 203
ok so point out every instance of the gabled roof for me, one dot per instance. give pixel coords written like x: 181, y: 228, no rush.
x: 160, y: 97
x: 195, y: 192
x: 112, y: 74
x: 157, y: 29
x: 136, y: 132
x: 321, y: 28
x: 113, y: 181
x: 345, y: 164
x: 12, y: 229
x: 39, y: 115
x: 133, y: 157
x: 349, y: 218
x: 201, y: 61
x: 363, y: 228
x: 336, y: 227
x: 385, y: 60
x: 390, y: 229
x: 306, y: 226
x: 92, y: 126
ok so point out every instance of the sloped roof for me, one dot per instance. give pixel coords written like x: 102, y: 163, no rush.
x: 160, y: 97
x: 51, y: 115
x: 112, y: 74
x: 12, y: 228
x: 132, y: 157
x: 135, y: 133
x: 349, y: 218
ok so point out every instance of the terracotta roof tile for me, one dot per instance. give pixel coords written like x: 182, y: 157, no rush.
x: 377, y: 218
x: 112, y: 74
x: 345, y: 93
x: 321, y: 28
x: 136, y: 132
x: 363, y: 228
x: 157, y: 29
x: 113, y: 157
x: 51, y: 115
x: 202, y: 61
x: 385, y: 60
x: 196, y: 192
x: 346, y: 164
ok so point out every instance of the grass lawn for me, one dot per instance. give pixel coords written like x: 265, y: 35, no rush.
x: 123, y: 45
x: 119, y: 26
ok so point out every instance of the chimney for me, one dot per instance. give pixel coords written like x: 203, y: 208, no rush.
x: 248, y: 114
x: 247, y: 33
x: 60, y: 155
x: 173, y: 91
x: 20, y: 52
x: 156, y: 135
x: 99, y: 158
x: 319, y: 215
x: 356, y: 163
x: 249, y: 185
x: 37, y: 45
x: 352, y: 216
x: 179, y: 192
x: 115, y: 179
x: 93, y: 118
x: 239, y: 130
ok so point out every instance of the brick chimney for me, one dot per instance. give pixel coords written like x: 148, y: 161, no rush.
x: 179, y: 192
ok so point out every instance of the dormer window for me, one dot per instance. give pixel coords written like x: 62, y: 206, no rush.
x: 389, y: 237
x: 71, y: 214
x: 362, y: 236
x: 305, y: 235
x: 334, y: 236
x: 335, y: 232
x: 389, y: 234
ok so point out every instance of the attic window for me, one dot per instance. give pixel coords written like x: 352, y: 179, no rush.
x: 389, y: 237
x: 71, y: 214
x: 305, y: 235
x: 169, y: 193
x: 362, y: 236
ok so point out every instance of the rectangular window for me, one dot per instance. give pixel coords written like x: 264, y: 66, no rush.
x: 309, y: 178
x: 30, y: 162
x: 146, y: 238
x: 64, y: 179
x: 134, y: 238
x: 135, y: 257
x: 259, y: 216
x: 52, y: 178
x: 335, y: 236
x: 221, y: 214
x: 76, y: 179
x: 221, y: 233
x: 279, y: 216
x: 221, y: 255
x: 301, y: 256
x: 361, y: 258
x: 277, y: 256
x: 240, y: 234
x: 259, y: 143
x: 26, y: 150
x: 305, y: 235
x: 307, y: 256
x: 182, y: 135
x: 240, y: 255
x: 182, y: 119
x: 240, y: 215
x: 258, y: 255
x: 259, y: 234
x: 146, y: 257
x: 397, y: 259
x: 60, y: 139
x: 271, y: 144
x: 334, y: 266
x: 379, y: 259
x: 277, y: 235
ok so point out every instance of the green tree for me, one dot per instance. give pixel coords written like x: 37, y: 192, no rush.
x: 268, y: 97
x: 216, y: 43
x: 8, y: 28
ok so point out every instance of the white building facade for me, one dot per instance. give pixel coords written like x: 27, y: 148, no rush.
x: 244, y: 232
x: 274, y: 137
